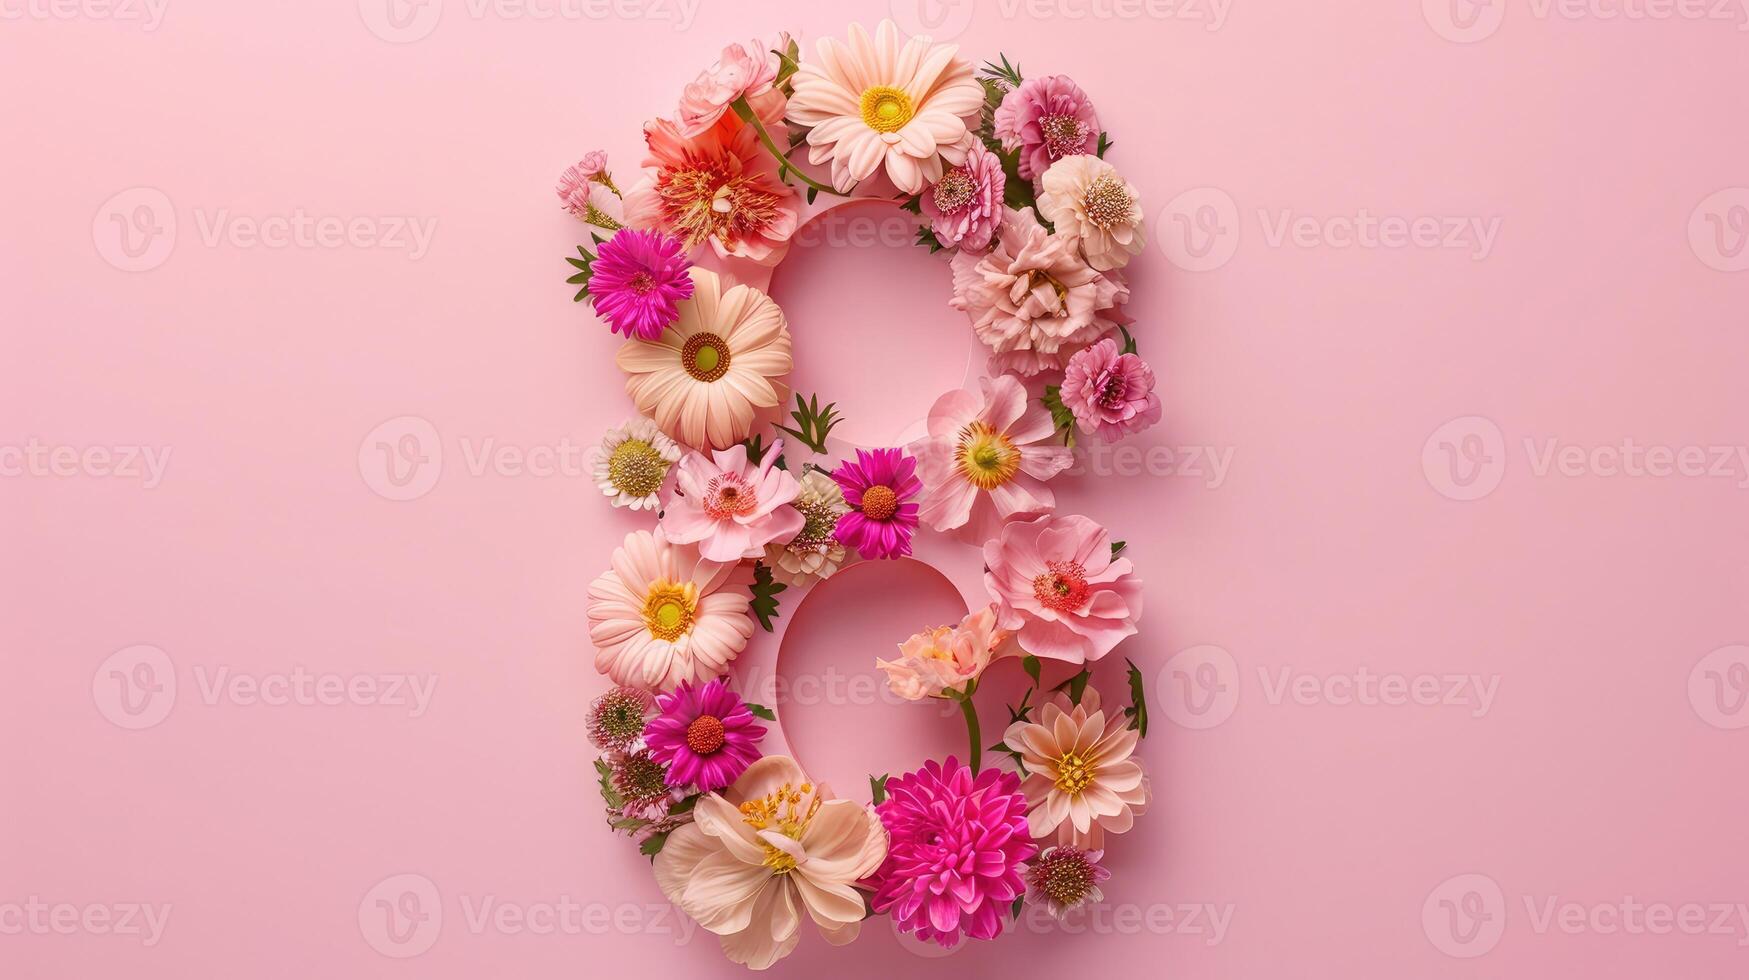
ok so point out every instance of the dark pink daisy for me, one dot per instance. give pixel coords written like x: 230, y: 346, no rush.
x: 637, y: 281
x: 882, y: 488
x: 706, y: 736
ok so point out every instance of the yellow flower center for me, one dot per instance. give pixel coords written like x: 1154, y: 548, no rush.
x: 987, y: 458
x: 1074, y: 773
x: 669, y: 610
x: 636, y: 468
x: 705, y: 356
x: 1107, y: 202
x: 886, y: 109
x: 785, y: 812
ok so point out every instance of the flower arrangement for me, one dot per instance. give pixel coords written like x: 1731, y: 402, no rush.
x: 748, y: 498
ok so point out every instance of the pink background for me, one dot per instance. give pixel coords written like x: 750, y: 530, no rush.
x: 1327, y: 835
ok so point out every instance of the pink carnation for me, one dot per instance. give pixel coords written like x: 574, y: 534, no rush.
x: 730, y: 506
x: 1033, y: 299
x: 1047, y: 119
x: 1057, y: 586
x: 749, y: 71
x: 1111, y: 394
x: 965, y: 206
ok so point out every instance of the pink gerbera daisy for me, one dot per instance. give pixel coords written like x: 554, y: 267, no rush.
x: 638, y: 281
x: 881, y: 487
x: 705, y: 735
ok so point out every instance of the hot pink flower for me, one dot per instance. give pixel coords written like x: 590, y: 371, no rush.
x: 1047, y: 119
x: 1034, y: 300
x: 749, y: 70
x: 986, y: 459
x: 1111, y: 394
x: 1058, y: 587
x: 881, y: 488
x: 732, y: 507
x: 965, y: 206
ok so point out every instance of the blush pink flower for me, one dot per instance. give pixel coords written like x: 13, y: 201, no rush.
x: 1033, y: 299
x: 1046, y: 119
x: 587, y: 192
x: 662, y: 615
x: 965, y: 205
x: 730, y: 506
x: 986, y: 459
x: 946, y: 657
x: 1057, y: 586
x: 739, y: 71
x: 1111, y: 393
x: 1082, y: 780
x: 1090, y: 203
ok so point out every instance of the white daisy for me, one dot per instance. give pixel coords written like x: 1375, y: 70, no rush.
x: 633, y: 464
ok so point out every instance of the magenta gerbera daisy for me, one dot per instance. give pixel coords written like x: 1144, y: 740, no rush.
x: 956, y: 854
x: 637, y: 281
x: 882, y: 488
x: 705, y: 735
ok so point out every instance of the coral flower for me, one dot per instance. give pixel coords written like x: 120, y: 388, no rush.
x: 637, y: 282
x: 1058, y: 588
x: 814, y: 552
x: 725, y: 359
x: 740, y: 71
x: 1110, y: 393
x: 662, y: 615
x: 720, y: 186
x: 946, y: 657
x: 705, y: 735
x: 1046, y: 119
x: 881, y: 487
x: 957, y: 852
x: 1082, y: 782
x: 634, y: 463
x: 730, y: 506
x: 770, y: 848
x: 965, y: 205
x: 1088, y: 203
x: 886, y: 102
x: 1065, y: 878
x: 1033, y: 299
x: 985, y: 459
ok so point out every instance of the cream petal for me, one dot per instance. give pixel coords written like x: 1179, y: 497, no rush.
x: 722, y: 821
x: 755, y: 947
x: 721, y: 894
x: 828, y: 902
x: 764, y: 777
x: 674, y: 863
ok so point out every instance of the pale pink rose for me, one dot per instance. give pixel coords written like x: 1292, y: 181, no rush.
x: 749, y: 71
x: 1111, y: 394
x: 1046, y: 119
x: 986, y: 459
x: 965, y: 205
x: 1033, y: 300
x: 946, y: 657
x: 730, y: 506
x: 1058, y: 588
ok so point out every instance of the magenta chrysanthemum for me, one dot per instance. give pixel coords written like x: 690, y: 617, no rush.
x: 616, y: 719
x: 957, y: 852
x: 637, y: 282
x: 882, y: 488
x: 706, y: 735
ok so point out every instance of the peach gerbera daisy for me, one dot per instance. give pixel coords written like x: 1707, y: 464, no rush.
x: 704, y: 379
x: 1082, y: 781
x: 662, y: 615
x: 901, y: 104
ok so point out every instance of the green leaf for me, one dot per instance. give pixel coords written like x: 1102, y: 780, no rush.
x: 1019, y: 903
x: 653, y: 846
x: 761, y: 711
x: 1023, y: 711
x: 1060, y: 414
x: 1137, y: 712
x: 814, y: 424
x: 1076, y: 686
x: 926, y: 236
x: 686, y: 805
x: 609, y: 795
x: 1117, y: 547
x: 913, y: 204
x: 1031, y: 665
x: 813, y: 192
x: 1129, y: 341
x: 765, y: 590
x: 1005, y: 71
x: 1104, y: 144
x: 877, y: 788
x: 756, y: 447
x: 788, y: 65
x: 586, y: 265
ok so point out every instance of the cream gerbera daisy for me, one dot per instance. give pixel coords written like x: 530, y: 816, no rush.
x: 885, y: 102
x: 813, y: 553
x: 633, y: 464
x: 1088, y: 203
x: 663, y: 615
x: 726, y: 358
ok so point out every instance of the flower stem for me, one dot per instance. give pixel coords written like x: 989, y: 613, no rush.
x: 970, y: 710
x: 746, y: 112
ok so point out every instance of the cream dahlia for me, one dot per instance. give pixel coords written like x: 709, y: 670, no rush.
x: 662, y: 615
x: 704, y: 378
x: 633, y: 464
x: 1087, y: 202
x: 986, y: 459
x: 906, y: 105
x: 813, y: 553
x: 763, y: 852
x: 1033, y: 300
x: 1082, y: 781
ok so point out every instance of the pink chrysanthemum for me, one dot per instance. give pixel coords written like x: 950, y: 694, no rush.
x: 965, y: 205
x: 1065, y: 878
x: 638, y: 281
x: 705, y: 735
x: 956, y: 854
x: 1111, y: 393
x: 881, y: 487
x: 616, y: 719
x: 1046, y: 119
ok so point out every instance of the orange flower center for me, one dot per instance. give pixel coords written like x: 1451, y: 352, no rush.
x: 879, y: 503
x: 787, y: 810
x: 715, y: 198
x: 705, y: 735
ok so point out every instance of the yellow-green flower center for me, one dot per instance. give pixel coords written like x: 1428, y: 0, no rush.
x: 705, y: 356
x: 886, y: 109
x: 985, y: 457
x: 636, y: 468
